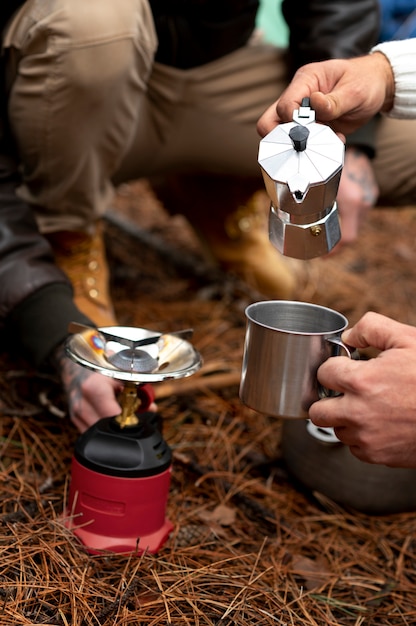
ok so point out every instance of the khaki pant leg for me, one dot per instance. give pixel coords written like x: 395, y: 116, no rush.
x: 76, y: 71
x: 198, y: 134
x: 395, y: 163
x: 203, y: 120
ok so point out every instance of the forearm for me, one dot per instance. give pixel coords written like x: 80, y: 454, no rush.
x: 41, y: 320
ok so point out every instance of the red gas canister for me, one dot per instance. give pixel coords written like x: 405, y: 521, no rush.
x: 120, y: 486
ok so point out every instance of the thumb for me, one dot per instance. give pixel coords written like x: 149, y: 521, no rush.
x: 326, y: 106
x: 377, y: 331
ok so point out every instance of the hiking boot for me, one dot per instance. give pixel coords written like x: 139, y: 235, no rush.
x: 82, y: 258
x: 241, y: 246
x: 230, y: 217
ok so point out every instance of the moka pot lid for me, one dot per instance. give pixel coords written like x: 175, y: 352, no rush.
x: 301, y: 155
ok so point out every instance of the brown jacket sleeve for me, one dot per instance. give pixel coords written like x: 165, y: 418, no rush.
x: 36, y: 302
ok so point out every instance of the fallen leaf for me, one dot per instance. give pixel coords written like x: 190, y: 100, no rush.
x: 314, y: 571
x: 222, y: 514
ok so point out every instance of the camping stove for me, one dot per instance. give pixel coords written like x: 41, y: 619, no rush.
x: 121, y: 466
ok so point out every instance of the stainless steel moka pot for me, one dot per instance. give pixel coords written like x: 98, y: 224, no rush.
x: 301, y: 163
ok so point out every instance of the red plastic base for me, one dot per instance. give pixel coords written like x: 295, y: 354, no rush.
x: 96, y: 544
x: 118, y: 514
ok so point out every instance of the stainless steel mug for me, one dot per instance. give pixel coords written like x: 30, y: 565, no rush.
x: 285, y: 343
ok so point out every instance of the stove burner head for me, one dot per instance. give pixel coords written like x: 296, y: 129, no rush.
x: 135, y: 355
x: 133, y: 360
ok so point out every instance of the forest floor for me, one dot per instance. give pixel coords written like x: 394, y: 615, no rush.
x: 250, y: 545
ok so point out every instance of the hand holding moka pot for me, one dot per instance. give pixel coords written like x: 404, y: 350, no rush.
x: 301, y: 163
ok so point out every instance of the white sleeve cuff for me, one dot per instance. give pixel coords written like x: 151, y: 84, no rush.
x: 402, y: 58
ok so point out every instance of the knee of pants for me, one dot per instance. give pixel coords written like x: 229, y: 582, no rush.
x: 90, y: 43
x: 113, y: 36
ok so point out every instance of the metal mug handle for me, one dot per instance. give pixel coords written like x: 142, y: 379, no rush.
x: 323, y: 392
x: 327, y: 435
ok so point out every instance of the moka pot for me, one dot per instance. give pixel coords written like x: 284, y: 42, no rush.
x: 301, y: 163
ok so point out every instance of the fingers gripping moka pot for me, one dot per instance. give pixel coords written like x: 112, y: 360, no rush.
x: 121, y: 467
x: 301, y: 163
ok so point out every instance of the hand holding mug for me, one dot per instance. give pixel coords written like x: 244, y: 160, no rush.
x: 375, y: 415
